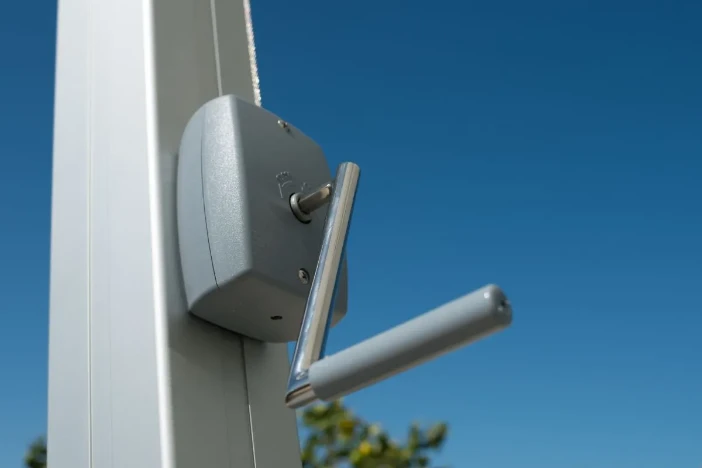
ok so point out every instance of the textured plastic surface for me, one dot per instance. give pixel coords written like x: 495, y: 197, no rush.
x: 241, y: 246
x: 430, y: 335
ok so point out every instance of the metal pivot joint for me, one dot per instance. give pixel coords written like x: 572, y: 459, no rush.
x: 304, y: 205
x: 430, y: 335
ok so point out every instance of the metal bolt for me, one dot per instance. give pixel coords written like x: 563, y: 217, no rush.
x: 303, y: 205
x: 284, y: 125
x: 303, y: 276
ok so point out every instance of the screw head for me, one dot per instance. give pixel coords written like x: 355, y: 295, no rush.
x: 303, y: 276
x: 284, y: 125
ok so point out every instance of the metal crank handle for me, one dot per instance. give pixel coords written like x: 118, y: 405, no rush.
x: 428, y: 336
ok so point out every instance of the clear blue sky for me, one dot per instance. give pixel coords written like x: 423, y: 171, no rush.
x: 552, y: 147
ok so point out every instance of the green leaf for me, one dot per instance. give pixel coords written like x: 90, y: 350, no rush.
x: 339, y: 439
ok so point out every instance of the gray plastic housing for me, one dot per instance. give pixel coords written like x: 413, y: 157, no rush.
x: 241, y: 247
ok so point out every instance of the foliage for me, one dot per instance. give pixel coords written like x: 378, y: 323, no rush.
x: 337, y: 438
x: 36, y: 454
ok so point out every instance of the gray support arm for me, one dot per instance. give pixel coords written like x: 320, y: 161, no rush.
x: 416, y: 341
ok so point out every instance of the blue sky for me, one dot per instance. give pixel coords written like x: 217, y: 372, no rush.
x: 551, y: 147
